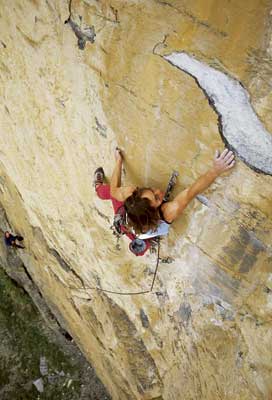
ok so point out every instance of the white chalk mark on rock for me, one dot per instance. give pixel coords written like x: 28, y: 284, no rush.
x: 238, y: 123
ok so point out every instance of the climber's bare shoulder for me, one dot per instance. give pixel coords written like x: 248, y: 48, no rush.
x: 172, y: 209
x: 122, y: 193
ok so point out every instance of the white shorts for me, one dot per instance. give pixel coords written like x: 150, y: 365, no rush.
x: 162, y: 230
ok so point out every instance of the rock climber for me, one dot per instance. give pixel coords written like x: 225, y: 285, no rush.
x: 10, y: 240
x: 146, y: 211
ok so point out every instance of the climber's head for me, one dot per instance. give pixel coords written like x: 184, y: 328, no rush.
x: 141, y: 208
x: 7, y: 234
x: 155, y: 196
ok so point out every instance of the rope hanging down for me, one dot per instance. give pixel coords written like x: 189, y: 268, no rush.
x: 128, y: 293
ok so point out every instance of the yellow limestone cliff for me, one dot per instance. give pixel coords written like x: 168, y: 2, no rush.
x: 69, y: 93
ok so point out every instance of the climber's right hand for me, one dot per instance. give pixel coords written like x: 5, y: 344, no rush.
x: 223, y: 162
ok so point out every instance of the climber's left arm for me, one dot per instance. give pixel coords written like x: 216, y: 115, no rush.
x: 116, y: 175
x: 120, y: 193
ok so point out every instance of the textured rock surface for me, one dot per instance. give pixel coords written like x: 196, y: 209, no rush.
x: 205, y: 331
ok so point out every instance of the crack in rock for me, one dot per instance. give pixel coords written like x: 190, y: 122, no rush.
x: 238, y: 123
x: 66, y: 267
x: 187, y: 14
x: 102, y: 129
x: 84, y: 35
x: 144, y: 319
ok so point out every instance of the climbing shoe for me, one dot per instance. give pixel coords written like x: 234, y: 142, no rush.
x: 99, y: 176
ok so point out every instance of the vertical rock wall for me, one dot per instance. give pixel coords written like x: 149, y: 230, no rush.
x: 70, y: 92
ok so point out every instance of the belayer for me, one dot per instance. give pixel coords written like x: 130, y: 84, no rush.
x: 144, y: 213
x: 10, y: 240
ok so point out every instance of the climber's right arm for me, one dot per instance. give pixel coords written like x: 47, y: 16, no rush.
x: 222, y: 163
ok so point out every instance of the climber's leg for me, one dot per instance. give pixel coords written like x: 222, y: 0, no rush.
x: 103, y: 190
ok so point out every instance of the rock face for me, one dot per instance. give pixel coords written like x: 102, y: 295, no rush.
x: 72, y: 91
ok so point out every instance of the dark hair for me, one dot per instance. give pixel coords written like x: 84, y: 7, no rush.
x: 141, y: 215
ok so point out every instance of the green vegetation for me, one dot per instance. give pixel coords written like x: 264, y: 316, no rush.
x: 24, y: 338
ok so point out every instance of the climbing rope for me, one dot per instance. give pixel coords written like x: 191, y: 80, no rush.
x: 157, y: 265
x: 158, y: 259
